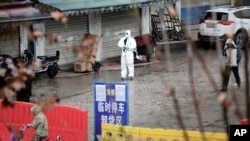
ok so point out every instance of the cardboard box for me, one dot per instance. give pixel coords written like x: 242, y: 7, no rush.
x: 80, y: 66
x: 92, y: 52
x: 89, y: 47
x: 89, y: 66
x: 82, y: 58
x: 94, y: 45
x: 91, y: 59
x: 90, y: 40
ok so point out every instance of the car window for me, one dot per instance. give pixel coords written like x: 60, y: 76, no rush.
x: 238, y: 14
x: 245, y: 13
x: 216, y: 16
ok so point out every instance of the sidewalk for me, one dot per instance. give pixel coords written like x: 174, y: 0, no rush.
x: 152, y: 108
x: 104, y: 67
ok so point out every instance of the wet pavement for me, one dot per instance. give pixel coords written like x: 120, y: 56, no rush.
x: 151, y: 106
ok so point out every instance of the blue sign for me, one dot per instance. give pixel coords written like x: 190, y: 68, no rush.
x: 110, y: 104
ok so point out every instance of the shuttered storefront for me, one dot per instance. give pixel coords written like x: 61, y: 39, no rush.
x: 113, y: 24
x: 193, y: 10
x: 245, y: 2
x: 73, y: 32
x: 9, y: 41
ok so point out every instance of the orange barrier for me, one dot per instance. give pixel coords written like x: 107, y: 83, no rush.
x: 69, y: 122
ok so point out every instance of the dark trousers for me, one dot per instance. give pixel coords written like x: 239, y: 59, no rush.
x: 39, y: 138
x: 227, y: 73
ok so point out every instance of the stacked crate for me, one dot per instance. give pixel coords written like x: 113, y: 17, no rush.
x: 88, y: 51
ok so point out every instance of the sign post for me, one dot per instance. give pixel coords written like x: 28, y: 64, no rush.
x: 110, y: 104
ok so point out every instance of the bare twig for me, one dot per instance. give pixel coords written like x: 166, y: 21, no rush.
x: 213, y: 83
x: 179, y: 115
x: 193, y: 91
x: 247, y: 82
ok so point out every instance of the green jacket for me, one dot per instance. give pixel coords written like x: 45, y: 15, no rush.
x: 40, y: 123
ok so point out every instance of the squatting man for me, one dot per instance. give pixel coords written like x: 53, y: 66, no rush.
x: 128, y: 45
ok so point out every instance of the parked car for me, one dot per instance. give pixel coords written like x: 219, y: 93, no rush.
x: 219, y: 21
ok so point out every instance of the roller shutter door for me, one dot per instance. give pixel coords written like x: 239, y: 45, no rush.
x: 9, y: 41
x: 245, y: 3
x: 193, y: 10
x: 76, y: 27
x: 113, y: 24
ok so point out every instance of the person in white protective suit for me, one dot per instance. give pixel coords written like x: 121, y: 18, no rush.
x: 128, y: 45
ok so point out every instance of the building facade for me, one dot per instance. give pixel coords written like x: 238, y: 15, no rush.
x: 14, y: 19
x: 245, y: 3
x: 109, y: 19
x: 193, y: 10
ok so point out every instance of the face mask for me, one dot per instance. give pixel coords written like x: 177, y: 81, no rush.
x: 126, y: 35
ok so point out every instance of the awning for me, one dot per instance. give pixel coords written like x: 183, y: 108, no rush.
x: 75, y: 7
x: 12, y: 15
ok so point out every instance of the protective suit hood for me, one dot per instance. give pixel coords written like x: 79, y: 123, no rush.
x: 230, y: 41
x: 127, y: 33
x: 36, y: 109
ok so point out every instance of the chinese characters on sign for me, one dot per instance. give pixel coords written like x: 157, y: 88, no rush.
x: 110, y: 104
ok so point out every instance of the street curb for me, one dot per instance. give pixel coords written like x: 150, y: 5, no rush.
x: 104, y: 67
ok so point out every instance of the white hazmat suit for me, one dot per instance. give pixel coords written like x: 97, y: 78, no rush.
x: 128, y: 45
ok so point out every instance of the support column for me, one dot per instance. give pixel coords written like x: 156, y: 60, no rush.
x: 178, y: 8
x: 39, y: 49
x: 23, y: 39
x: 95, y: 27
x: 145, y: 21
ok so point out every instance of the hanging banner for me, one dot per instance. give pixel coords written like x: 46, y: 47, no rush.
x: 110, y: 104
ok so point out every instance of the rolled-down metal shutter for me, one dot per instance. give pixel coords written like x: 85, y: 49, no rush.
x: 113, y: 24
x: 9, y: 41
x: 245, y: 3
x: 73, y: 32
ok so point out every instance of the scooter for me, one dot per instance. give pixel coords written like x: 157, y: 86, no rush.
x: 145, y: 47
x: 49, y: 63
x: 19, y: 135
